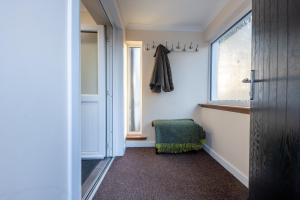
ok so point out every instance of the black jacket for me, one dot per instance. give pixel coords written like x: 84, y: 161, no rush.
x: 161, y: 76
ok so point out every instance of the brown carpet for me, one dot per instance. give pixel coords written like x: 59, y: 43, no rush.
x: 143, y: 175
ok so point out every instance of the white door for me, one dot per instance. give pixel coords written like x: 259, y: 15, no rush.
x: 93, y: 93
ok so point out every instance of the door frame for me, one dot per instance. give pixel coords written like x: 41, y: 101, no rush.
x: 73, y: 96
x: 100, y: 98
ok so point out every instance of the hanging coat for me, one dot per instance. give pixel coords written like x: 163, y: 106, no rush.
x: 161, y: 75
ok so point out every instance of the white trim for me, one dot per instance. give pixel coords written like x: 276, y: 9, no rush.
x: 152, y: 27
x: 227, y: 165
x: 91, y: 156
x: 113, y: 13
x: 73, y: 100
x: 132, y: 143
x: 100, y: 180
x: 89, y: 98
x: 118, y: 14
x: 116, y: 132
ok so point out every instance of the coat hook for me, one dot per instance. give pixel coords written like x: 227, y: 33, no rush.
x: 153, y: 45
x: 184, y: 48
x: 147, y: 47
x: 172, y: 48
x: 191, y: 46
x: 197, y: 48
x: 178, y: 46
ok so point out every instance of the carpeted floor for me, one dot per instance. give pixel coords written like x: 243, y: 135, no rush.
x: 143, y: 175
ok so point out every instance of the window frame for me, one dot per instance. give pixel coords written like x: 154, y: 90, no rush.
x: 242, y: 103
x: 134, y: 44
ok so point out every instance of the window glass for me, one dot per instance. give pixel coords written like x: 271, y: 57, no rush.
x: 89, y: 63
x: 134, y: 77
x: 231, y: 62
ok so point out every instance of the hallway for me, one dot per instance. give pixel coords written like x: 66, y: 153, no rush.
x: 142, y: 174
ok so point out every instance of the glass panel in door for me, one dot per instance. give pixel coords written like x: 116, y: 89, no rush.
x: 89, y: 63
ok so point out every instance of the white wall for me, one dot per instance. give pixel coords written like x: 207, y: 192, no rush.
x: 37, y: 124
x: 189, y: 72
x: 227, y: 133
x: 228, y: 136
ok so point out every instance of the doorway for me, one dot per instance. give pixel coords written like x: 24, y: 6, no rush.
x: 96, y: 48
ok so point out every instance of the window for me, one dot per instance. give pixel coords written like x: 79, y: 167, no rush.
x: 89, y: 62
x: 134, y: 88
x: 231, y: 63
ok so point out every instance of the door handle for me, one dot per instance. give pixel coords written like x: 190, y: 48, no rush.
x: 251, y: 81
x: 246, y: 80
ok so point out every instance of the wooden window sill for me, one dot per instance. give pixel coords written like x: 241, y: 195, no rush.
x: 236, y: 109
x: 136, y: 137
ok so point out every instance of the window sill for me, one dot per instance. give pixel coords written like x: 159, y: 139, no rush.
x: 236, y: 109
x: 136, y: 137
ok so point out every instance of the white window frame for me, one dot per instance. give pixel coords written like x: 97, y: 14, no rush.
x: 134, y: 44
x: 241, y: 103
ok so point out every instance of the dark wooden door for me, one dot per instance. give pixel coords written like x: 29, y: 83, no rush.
x: 275, y: 115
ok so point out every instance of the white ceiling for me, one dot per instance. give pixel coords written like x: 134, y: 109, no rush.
x: 175, y: 15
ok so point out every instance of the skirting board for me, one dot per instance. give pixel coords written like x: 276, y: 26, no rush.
x: 135, y: 143
x: 227, y: 165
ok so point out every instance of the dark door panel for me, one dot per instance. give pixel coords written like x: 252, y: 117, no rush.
x: 275, y: 115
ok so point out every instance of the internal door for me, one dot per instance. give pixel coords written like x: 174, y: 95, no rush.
x: 275, y: 117
x: 93, y: 93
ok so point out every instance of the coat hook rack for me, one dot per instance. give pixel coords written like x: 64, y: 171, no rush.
x: 197, y: 48
x: 147, y: 47
x: 191, y: 46
x: 187, y: 47
x: 178, y: 45
x: 153, y: 45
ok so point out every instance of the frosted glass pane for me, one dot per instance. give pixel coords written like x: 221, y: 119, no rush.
x: 89, y: 63
x: 231, y: 63
x: 134, y: 77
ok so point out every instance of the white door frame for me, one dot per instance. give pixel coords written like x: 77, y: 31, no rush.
x: 74, y: 99
x: 99, y: 98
